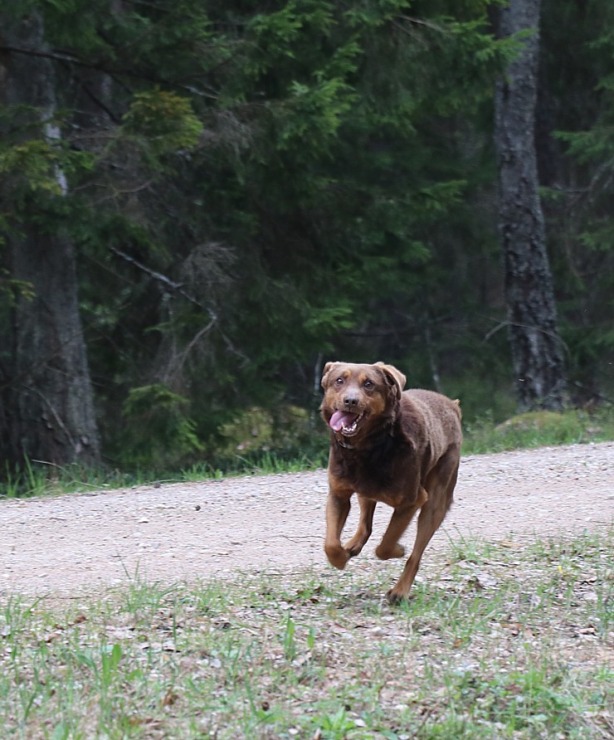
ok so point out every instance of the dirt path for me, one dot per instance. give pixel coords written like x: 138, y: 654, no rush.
x: 73, y: 544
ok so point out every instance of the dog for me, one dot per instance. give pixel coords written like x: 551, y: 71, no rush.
x: 401, y: 448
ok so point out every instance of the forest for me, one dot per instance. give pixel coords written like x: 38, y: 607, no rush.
x: 201, y: 202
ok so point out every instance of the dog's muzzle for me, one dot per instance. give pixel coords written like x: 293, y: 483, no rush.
x: 345, y: 422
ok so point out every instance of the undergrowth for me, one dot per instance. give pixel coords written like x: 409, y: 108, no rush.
x: 535, y: 429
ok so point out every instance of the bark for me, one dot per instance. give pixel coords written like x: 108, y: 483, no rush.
x: 49, y: 409
x: 537, y: 350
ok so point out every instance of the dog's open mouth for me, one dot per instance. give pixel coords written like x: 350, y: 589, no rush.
x: 345, y: 422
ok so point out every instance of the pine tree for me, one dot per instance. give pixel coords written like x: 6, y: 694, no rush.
x: 537, y: 350
x: 48, y: 402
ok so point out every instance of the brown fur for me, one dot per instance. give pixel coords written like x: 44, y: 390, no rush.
x: 404, y: 451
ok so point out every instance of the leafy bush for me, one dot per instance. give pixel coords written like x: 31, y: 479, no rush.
x: 158, y: 433
x: 539, y: 428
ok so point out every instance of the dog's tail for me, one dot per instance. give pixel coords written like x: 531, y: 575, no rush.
x: 457, y: 408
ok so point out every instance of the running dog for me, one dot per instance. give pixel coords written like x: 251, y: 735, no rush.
x: 401, y: 448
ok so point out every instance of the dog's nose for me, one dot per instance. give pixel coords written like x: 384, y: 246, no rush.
x: 350, y: 401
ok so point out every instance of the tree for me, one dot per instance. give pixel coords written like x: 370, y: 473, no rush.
x: 575, y: 148
x: 537, y: 350
x: 48, y: 402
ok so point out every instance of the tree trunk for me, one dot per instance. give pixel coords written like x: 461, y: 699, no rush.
x: 49, y: 409
x: 537, y: 350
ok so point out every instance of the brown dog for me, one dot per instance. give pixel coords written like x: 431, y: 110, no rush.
x: 400, y: 448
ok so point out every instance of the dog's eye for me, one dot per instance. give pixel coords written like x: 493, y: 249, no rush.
x: 339, y: 381
x: 369, y: 385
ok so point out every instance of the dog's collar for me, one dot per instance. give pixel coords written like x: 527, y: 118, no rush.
x: 344, y: 444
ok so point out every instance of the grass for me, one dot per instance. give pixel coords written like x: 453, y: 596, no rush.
x: 539, y: 429
x: 43, y: 479
x: 499, y: 641
x: 36, y: 479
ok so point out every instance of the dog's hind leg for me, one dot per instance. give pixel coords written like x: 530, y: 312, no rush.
x: 390, y: 547
x: 365, y: 527
x: 440, y: 485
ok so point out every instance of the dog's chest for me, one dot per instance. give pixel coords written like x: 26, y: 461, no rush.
x: 384, y: 474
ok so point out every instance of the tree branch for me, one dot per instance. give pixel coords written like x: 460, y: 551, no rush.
x: 174, y: 286
x: 68, y: 58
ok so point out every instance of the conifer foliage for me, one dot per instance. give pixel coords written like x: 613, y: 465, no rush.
x: 201, y: 202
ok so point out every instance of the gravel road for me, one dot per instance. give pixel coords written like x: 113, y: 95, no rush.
x: 80, y: 543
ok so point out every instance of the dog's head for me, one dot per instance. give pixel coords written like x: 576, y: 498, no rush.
x: 359, y: 398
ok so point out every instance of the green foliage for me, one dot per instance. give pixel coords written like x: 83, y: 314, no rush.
x: 314, y: 113
x: 36, y: 167
x: 254, y: 189
x: 165, y: 119
x: 35, y: 161
x: 11, y: 290
x: 580, y: 198
x: 157, y: 433
x: 538, y: 429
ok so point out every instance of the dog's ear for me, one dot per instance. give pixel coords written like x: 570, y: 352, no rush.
x: 326, y: 372
x: 394, y: 377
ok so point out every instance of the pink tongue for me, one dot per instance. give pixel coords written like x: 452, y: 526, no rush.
x: 341, y: 419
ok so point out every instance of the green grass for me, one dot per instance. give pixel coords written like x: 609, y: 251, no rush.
x: 36, y: 479
x: 539, y: 429
x: 40, y: 480
x: 499, y: 641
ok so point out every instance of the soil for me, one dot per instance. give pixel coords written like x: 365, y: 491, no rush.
x: 75, y: 544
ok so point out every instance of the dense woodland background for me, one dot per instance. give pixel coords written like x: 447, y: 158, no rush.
x: 202, y: 202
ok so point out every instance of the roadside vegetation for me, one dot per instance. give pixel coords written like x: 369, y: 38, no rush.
x: 254, y: 446
x: 502, y: 640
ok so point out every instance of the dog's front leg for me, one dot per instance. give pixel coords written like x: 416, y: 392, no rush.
x: 337, y: 510
x: 365, y: 526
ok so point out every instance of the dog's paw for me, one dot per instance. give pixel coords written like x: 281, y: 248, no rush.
x: 386, y: 553
x: 337, y: 556
x: 394, y: 598
x: 353, y: 549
